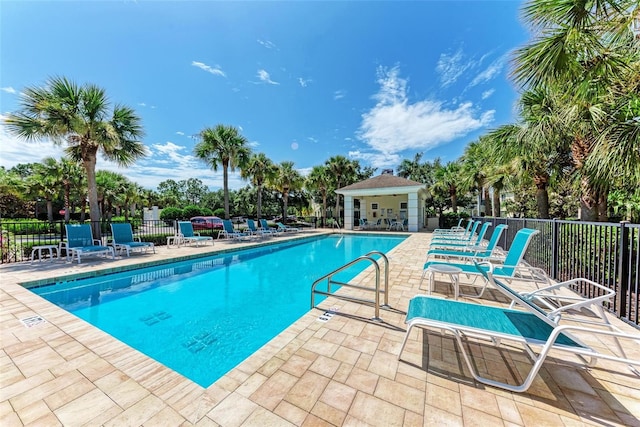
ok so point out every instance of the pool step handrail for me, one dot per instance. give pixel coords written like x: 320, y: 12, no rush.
x: 376, y: 302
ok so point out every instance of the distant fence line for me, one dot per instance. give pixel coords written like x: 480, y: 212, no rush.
x: 607, y: 253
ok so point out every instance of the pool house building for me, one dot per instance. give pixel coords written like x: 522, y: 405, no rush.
x: 385, y: 198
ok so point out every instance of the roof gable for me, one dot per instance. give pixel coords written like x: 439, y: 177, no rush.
x: 382, y: 181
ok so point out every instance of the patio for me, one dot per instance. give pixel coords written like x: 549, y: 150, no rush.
x: 343, y: 371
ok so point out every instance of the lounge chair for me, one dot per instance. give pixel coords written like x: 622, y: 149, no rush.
x: 187, y: 235
x: 228, y: 232
x: 457, y: 238
x: 265, y: 226
x: 492, y: 250
x: 453, y: 230
x: 258, y: 231
x: 80, y: 243
x: 533, y: 327
x: 462, y: 243
x: 512, y: 268
x: 285, y: 228
x: 122, y: 239
x: 363, y: 224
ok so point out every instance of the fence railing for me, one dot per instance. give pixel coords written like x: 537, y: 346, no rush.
x: 607, y: 253
x: 17, y: 238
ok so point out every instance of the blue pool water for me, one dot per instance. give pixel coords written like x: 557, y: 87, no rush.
x: 203, y: 317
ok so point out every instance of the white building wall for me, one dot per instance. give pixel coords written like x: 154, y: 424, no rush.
x: 348, y: 212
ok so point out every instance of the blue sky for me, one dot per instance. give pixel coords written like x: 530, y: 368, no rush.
x: 303, y: 81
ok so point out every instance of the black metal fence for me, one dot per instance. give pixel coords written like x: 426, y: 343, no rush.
x: 607, y: 253
x: 18, y: 238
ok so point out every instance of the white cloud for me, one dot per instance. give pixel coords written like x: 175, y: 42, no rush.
x: 267, y: 44
x: 377, y: 160
x: 216, y: 70
x: 8, y: 89
x: 264, y: 76
x: 303, y: 82
x: 451, y: 67
x: 487, y: 93
x: 253, y: 144
x: 305, y: 171
x: 395, y: 124
x: 180, y: 133
x: 14, y: 150
x: 142, y: 104
x: 490, y: 72
x: 312, y: 139
x: 339, y: 94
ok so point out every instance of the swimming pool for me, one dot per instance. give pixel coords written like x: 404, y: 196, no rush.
x: 203, y: 317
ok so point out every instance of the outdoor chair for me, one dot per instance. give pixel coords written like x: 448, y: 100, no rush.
x: 491, y: 250
x: 123, y: 239
x: 258, y: 231
x: 80, y: 243
x: 285, y: 228
x: 535, y: 327
x: 511, y: 268
x: 187, y: 235
x: 453, y: 230
x: 265, y: 226
x: 229, y: 233
x: 462, y: 243
x: 464, y: 238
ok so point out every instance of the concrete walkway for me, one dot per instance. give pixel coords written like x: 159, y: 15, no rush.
x: 343, y: 371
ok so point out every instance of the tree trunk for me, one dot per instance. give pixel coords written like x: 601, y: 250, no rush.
x: 542, y: 195
x: 67, y: 201
x: 324, y: 208
x: 285, y: 200
x: 454, y: 199
x: 588, y: 201
x: 496, y: 203
x: 225, y: 184
x: 487, y: 202
x: 259, y: 207
x: 603, y: 210
x: 89, y: 161
x: 50, y: 210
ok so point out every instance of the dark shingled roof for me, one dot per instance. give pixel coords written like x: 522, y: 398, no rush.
x: 382, y: 181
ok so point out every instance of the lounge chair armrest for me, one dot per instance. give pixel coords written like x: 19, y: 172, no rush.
x: 572, y: 301
x: 97, y: 242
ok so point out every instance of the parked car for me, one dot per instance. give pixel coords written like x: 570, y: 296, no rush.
x: 207, y: 223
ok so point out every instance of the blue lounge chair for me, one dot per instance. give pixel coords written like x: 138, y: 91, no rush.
x: 453, y: 230
x: 492, y: 249
x: 285, y: 228
x: 462, y: 243
x: 187, y: 235
x: 228, y: 232
x: 363, y: 224
x: 258, y: 231
x: 80, y: 243
x: 534, y: 327
x: 461, y: 238
x: 265, y: 226
x: 512, y: 267
x: 122, y: 239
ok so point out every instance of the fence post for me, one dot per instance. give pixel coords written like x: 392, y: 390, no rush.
x: 555, y: 248
x: 623, y: 270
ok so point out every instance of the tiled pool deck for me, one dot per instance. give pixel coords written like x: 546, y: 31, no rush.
x: 340, y: 372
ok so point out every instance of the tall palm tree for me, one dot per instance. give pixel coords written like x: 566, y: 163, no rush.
x: 447, y: 180
x: 81, y: 117
x: 223, y: 146
x: 111, y: 190
x: 473, y: 172
x: 319, y: 180
x: 285, y: 180
x: 72, y: 182
x: 582, y: 48
x: 259, y: 169
x: 46, y: 183
x: 343, y: 172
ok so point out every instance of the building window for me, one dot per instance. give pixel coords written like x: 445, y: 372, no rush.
x: 356, y: 203
x: 403, y: 205
x: 374, y: 206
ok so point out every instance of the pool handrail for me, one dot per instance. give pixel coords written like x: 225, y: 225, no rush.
x: 376, y: 302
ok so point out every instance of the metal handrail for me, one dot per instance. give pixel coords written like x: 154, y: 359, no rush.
x: 328, y: 277
x: 386, y: 276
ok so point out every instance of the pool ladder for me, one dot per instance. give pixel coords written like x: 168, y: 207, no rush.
x: 375, y: 302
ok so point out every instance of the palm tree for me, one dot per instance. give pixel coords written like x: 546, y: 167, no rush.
x: 584, y: 48
x: 319, y: 181
x: 46, y: 182
x: 72, y: 181
x: 343, y: 172
x: 80, y: 116
x: 447, y: 180
x: 223, y: 145
x: 285, y: 180
x: 111, y: 190
x: 259, y: 169
x: 473, y: 172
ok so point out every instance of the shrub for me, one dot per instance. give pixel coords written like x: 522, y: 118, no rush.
x: 207, y: 212
x: 219, y: 212
x: 191, y: 211
x: 449, y: 219
x: 171, y: 213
